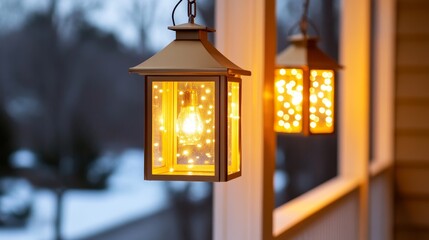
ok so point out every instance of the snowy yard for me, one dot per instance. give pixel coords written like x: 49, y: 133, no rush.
x: 127, y: 198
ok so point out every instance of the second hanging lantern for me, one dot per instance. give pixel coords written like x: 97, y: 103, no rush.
x: 304, y: 99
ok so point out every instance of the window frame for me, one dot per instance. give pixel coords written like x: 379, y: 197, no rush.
x: 353, y: 117
x: 383, y: 75
x: 244, y: 209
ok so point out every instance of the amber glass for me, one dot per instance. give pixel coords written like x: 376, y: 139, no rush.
x: 288, y: 96
x: 321, y: 104
x: 288, y: 102
x: 183, y: 128
x: 233, y: 127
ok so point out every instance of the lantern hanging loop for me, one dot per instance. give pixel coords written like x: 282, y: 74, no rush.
x: 304, y: 23
x: 192, y: 11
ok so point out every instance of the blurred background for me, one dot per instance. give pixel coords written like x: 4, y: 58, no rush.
x: 71, y: 123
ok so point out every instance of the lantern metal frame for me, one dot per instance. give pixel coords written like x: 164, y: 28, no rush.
x: 304, y: 54
x: 191, y: 57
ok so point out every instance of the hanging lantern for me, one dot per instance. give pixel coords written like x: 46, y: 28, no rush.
x: 192, y: 109
x: 304, y: 91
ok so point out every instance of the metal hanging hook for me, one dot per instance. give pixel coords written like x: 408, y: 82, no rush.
x: 174, y: 10
x: 303, y: 25
x: 192, y: 10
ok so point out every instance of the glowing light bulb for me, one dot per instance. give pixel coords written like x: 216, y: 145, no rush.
x: 189, y: 126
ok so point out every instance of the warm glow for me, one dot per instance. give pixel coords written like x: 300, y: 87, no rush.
x: 184, y: 128
x: 321, y: 99
x: 233, y: 127
x: 288, y: 89
x: 189, y: 126
x: 184, y: 134
x: 289, y: 94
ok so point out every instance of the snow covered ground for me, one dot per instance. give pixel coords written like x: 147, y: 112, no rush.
x: 127, y: 198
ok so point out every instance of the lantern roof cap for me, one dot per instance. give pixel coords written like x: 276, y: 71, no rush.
x: 189, y: 54
x: 303, y: 52
x: 191, y: 27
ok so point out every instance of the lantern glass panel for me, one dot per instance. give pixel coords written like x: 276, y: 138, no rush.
x: 233, y: 127
x: 321, y: 107
x: 288, y: 94
x: 183, y: 128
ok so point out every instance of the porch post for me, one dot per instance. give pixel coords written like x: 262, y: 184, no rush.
x: 238, y: 204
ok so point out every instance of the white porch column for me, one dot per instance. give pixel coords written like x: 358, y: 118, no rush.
x: 354, y: 100
x: 238, y: 203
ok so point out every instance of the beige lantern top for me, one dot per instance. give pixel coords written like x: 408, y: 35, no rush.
x: 303, y: 52
x: 189, y: 54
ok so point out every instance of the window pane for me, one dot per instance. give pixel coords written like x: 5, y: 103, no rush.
x: 322, y: 101
x: 183, y: 128
x: 288, y: 100
x: 233, y: 127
